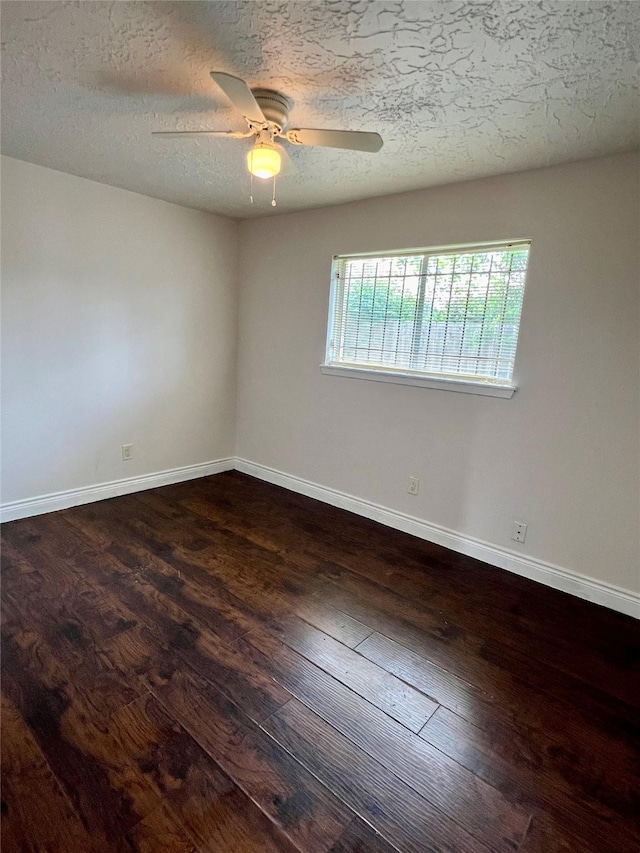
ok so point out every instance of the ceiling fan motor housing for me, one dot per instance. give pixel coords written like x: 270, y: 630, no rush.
x: 274, y: 106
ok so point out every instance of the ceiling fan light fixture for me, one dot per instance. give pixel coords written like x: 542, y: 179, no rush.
x: 264, y: 161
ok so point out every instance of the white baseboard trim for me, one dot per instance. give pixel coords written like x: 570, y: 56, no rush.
x: 616, y: 598
x: 101, y: 491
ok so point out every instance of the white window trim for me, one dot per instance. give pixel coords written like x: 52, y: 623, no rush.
x: 443, y: 383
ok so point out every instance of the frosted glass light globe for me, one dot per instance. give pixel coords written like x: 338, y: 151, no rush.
x: 264, y: 161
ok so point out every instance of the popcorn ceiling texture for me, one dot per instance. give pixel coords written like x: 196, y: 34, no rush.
x: 457, y: 90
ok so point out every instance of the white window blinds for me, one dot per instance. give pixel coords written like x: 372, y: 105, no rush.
x: 446, y: 313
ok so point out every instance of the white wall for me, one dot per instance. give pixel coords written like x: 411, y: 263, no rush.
x: 119, y: 327
x: 561, y: 455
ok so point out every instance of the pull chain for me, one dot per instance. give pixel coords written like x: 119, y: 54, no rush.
x: 273, y: 197
x: 251, y: 187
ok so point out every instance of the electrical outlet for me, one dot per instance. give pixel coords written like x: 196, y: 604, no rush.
x: 519, y: 532
x: 413, y: 485
x: 127, y: 452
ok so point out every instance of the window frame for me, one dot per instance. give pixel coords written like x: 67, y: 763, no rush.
x: 484, y: 386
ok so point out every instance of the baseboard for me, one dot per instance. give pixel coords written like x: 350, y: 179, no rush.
x: 616, y: 598
x: 115, y: 488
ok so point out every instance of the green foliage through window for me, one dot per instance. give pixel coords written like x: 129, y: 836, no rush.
x: 455, y: 313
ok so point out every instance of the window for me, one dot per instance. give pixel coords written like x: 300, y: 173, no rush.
x: 429, y: 317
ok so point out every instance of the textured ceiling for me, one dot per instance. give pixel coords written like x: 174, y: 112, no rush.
x: 456, y: 89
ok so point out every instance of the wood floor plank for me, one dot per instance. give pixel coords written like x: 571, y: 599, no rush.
x: 63, y: 662
x: 171, y: 628
x: 30, y: 788
x: 224, y: 614
x: 336, y: 624
x: 373, y: 548
x: 543, y: 777
x: 583, y: 746
x: 62, y: 598
x: 376, y: 795
x: 260, y: 569
x: 394, y: 614
x: 222, y: 617
x: 547, y: 834
x: 543, y: 703
x: 327, y: 535
x: 547, y: 732
x: 210, y: 809
x: 109, y: 795
x: 333, y: 622
x: 396, y: 698
x: 485, y: 812
x: 359, y: 837
x: 426, y: 572
x: 159, y: 830
x: 156, y: 658
x: 298, y: 804
x: 595, y: 703
x: 478, y: 623
x: 243, y: 524
x: 434, y: 681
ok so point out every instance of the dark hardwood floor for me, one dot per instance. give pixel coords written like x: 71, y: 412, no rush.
x: 223, y: 665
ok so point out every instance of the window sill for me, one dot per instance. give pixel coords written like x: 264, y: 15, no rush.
x: 486, y: 389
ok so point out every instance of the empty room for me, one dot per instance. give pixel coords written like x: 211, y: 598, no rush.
x: 320, y: 487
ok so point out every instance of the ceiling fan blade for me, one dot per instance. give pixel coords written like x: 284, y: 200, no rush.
x: 352, y: 139
x: 228, y: 134
x: 240, y: 95
x: 288, y: 167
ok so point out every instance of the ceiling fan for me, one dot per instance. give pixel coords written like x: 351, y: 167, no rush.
x: 267, y: 115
